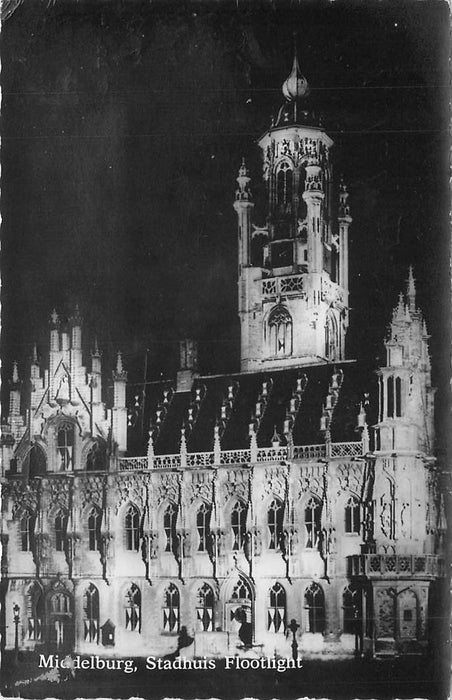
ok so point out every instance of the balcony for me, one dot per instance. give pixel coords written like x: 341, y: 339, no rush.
x: 396, y: 566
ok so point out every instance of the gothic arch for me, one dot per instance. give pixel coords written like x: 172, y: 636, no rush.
x: 278, y: 332
x: 34, y: 462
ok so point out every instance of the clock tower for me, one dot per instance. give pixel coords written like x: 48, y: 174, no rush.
x: 293, y: 271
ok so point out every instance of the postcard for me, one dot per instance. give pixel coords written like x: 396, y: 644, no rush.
x: 225, y: 309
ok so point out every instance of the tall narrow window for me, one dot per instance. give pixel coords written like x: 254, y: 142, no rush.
x: 171, y: 609
x: 60, y: 530
x: 132, y: 528
x: 351, y: 609
x: 276, y: 613
x: 35, y: 612
x: 133, y: 608
x: 169, y: 525
x: 284, y: 183
x: 275, y: 523
x: 27, y: 523
x: 331, y: 337
x: 398, y: 396
x: 315, y: 608
x: 204, y: 610
x: 91, y: 614
x: 203, y: 526
x: 390, y: 386
x: 312, y: 515
x: 238, y: 524
x: 280, y: 332
x: 352, y: 515
x: 65, y: 446
x: 94, y: 522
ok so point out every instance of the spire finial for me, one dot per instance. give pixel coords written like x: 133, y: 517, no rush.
x: 411, y: 290
x: 15, y: 373
x: 34, y: 358
x: 119, y: 366
x: 54, y: 318
x: 295, y: 86
x: 95, y: 352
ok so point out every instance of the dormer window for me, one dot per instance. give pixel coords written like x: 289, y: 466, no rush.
x: 65, y: 447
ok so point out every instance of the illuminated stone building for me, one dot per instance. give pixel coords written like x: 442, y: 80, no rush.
x: 302, y: 487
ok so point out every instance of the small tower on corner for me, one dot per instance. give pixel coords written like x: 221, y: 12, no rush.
x: 293, y: 270
x: 406, y: 393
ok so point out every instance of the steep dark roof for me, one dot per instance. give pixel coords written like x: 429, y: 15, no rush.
x: 200, y: 409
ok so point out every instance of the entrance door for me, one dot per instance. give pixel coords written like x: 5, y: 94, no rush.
x: 239, y: 612
x: 60, y: 623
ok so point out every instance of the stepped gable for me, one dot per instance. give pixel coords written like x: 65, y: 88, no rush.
x: 356, y: 381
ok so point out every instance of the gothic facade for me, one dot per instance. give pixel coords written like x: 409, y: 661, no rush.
x: 302, y: 488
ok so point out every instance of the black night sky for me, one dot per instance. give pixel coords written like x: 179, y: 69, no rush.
x: 124, y: 124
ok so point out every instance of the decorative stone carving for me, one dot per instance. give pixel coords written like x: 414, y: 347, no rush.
x: 275, y: 482
x: 91, y: 491
x: 24, y: 495
x: 200, y: 487
x: 236, y: 484
x: 131, y: 487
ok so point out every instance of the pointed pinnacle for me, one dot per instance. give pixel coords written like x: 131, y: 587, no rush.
x: 119, y: 367
x: 34, y: 358
x: 15, y: 374
x: 411, y: 290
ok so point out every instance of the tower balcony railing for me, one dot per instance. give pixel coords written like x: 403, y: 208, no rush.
x: 292, y: 284
x: 395, y: 565
x: 277, y: 453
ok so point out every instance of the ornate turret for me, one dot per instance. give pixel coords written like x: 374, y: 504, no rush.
x: 406, y: 393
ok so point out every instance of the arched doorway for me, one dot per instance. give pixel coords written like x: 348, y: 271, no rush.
x: 60, y: 620
x: 239, y: 610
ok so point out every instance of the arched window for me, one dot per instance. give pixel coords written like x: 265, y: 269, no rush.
x: 238, y: 524
x: 91, y: 614
x: 35, y: 612
x: 280, y: 332
x: 204, y: 609
x: 312, y: 516
x: 390, y: 398
x: 331, y: 337
x: 284, y: 177
x: 65, y: 446
x: 351, y: 609
x: 132, y: 528
x: 169, y: 525
x: 171, y: 609
x: 275, y: 523
x: 241, y: 591
x: 352, y: 515
x: 203, y: 526
x: 27, y: 525
x: 94, y: 522
x: 276, y: 612
x: 59, y: 603
x: 35, y: 463
x: 60, y: 530
x: 96, y: 459
x: 315, y: 608
x: 133, y: 609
